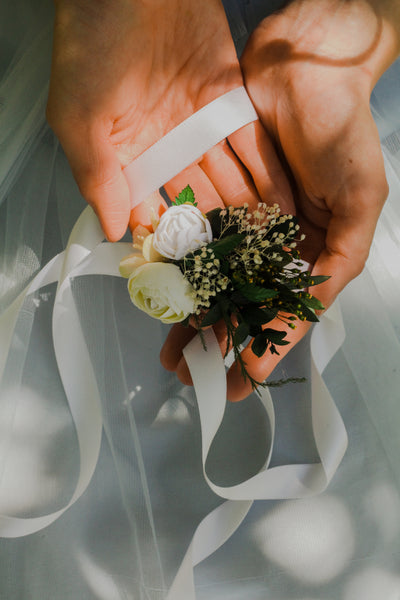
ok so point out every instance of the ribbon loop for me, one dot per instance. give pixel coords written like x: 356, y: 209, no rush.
x: 186, y: 143
x: 87, y: 254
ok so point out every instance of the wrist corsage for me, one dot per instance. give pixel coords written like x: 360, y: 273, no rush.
x: 233, y: 264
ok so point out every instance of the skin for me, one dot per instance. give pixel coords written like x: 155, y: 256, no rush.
x: 309, y: 71
x: 125, y: 72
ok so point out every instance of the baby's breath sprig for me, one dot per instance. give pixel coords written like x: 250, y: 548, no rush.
x: 202, y: 269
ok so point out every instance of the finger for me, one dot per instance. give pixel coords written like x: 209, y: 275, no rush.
x: 205, y: 193
x: 229, y: 176
x: 254, y: 148
x: 171, y: 352
x: 348, y: 239
x: 171, y: 355
x: 148, y: 212
x: 182, y: 369
x: 99, y: 175
x: 259, y: 368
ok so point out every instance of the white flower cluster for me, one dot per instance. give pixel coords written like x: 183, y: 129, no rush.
x: 202, y: 270
x: 171, y: 292
x: 156, y: 286
x: 260, y: 246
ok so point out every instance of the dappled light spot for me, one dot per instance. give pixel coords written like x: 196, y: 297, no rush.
x: 382, y: 505
x: 312, y: 539
x: 373, y: 584
x: 174, y: 410
x: 38, y: 453
x: 99, y: 580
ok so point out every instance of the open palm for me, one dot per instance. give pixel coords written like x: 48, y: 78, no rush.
x: 124, y: 73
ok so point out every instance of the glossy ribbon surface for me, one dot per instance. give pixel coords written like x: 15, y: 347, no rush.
x: 86, y: 254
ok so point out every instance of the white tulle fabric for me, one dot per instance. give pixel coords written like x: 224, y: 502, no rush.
x: 127, y: 535
x: 87, y: 255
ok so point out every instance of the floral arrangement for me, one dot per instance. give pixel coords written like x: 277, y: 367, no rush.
x: 233, y: 264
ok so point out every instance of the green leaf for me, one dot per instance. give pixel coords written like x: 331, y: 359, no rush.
x: 296, y: 283
x: 256, y: 293
x: 254, y: 330
x: 308, y: 312
x: 258, y: 316
x: 276, y: 337
x: 226, y: 244
x: 224, y: 267
x: 269, y: 337
x: 241, y: 333
x: 260, y: 344
x: 215, y: 221
x: 238, y: 298
x: 313, y: 303
x: 213, y: 315
x: 186, y: 196
x: 317, y: 279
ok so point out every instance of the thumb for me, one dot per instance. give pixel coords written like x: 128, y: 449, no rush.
x: 98, y: 173
x: 348, y: 239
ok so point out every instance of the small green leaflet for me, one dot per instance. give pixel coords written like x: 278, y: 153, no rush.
x: 268, y: 337
x: 186, y: 196
x: 317, y: 279
x: 254, y: 315
x: 313, y: 303
x: 308, y: 312
x: 212, y: 316
x: 226, y: 244
x: 255, y: 292
x: 259, y: 345
x: 275, y: 336
x: 241, y: 333
x: 215, y: 221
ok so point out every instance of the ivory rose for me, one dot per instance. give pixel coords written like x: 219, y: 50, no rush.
x: 181, y: 229
x: 160, y: 290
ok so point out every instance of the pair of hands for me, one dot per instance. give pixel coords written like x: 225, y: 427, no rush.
x: 127, y: 71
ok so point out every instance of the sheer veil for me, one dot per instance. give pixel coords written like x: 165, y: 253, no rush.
x: 126, y: 536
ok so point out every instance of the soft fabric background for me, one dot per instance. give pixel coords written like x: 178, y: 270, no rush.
x: 125, y: 538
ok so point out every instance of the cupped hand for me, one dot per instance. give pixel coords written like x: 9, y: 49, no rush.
x: 124, y: 72
x: 309, y: 71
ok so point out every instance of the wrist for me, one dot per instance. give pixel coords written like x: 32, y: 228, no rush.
x: 364, y: 34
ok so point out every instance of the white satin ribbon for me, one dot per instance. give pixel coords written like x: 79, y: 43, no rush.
x: 187, y: 142
x: 281, y: 482
x: 86, y: 254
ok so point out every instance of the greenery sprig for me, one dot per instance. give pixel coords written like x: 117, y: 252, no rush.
x: 233, y: 264
x: 249, y: 275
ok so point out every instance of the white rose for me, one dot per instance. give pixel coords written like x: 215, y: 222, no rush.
x: 181, y: 229
x: 160, y: 290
